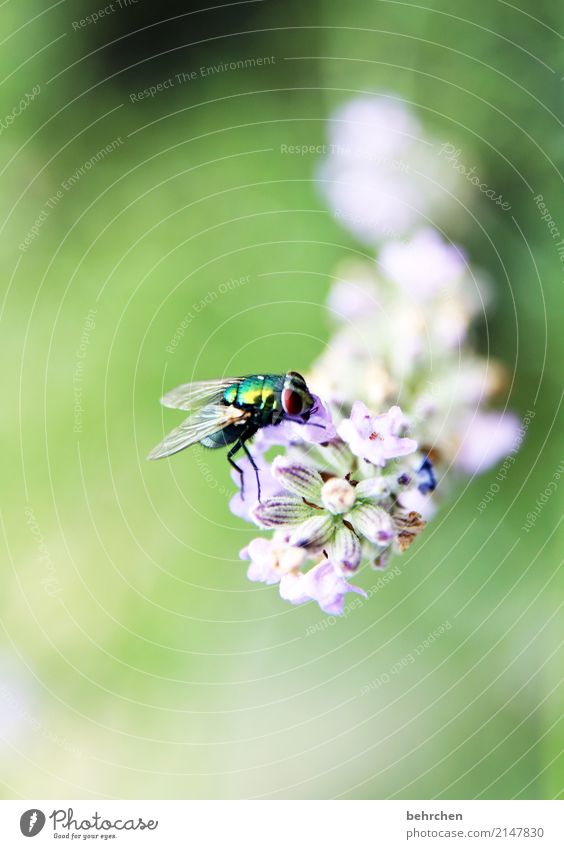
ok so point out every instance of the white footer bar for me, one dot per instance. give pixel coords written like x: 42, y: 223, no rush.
x: 283, y: 824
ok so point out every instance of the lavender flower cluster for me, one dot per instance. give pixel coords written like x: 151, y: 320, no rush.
x: 401, y: 393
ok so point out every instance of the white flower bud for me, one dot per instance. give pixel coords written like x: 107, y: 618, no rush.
x: 338, y: 495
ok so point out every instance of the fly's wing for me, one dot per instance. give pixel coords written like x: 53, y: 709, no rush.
x: 204, y: 422
x: 191, y: 395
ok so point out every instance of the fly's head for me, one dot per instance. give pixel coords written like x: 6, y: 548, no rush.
x: 297, y: 400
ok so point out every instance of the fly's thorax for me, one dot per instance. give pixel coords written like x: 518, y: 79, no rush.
x: 259, y: 393
x: 230, y: 394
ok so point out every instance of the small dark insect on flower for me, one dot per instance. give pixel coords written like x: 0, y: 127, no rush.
x: 231, y: 410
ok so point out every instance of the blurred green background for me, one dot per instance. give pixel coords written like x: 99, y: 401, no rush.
x: 136, y: 658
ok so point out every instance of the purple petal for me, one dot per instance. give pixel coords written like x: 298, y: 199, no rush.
x: 291, y: 589
x: 318, y: 428
x: 376, y: 438
x: 271, y: 558
x: 326, y: 586
x: 322, y: 584
x: 361, y: 418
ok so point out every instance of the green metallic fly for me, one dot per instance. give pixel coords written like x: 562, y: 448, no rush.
x: 230, y: 411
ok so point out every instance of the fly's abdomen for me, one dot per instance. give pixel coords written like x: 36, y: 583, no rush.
x: 222, y: 438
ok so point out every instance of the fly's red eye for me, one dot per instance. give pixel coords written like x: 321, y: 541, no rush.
x: 292, y: 402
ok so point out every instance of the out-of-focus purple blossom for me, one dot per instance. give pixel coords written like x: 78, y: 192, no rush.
x: 323, y: 584
x: 317, y: 429
x: 382, y: 175
x: 364, y: 177
x: 486, y: 437
x: 349, y: 369
x: 371, y: 205
x: 450, y: 325
x: 373, y: 128
x: 422, y: 266
x: 352, y: 299
x: 376, y: 438
x: 473, y: 381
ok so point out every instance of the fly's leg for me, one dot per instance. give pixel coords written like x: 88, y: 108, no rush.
x: 253, y: 464
x: 240, y: 444
x: 234, y: 465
